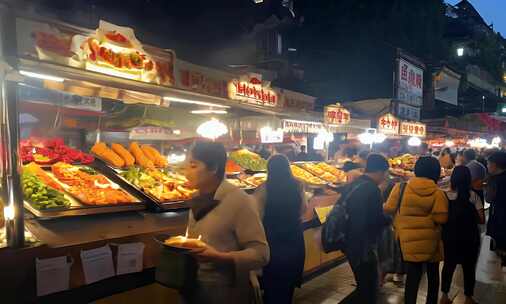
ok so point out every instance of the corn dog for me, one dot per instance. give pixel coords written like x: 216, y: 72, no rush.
x: 141, y: 159
x: 107, y: 154
x: 123, y: 153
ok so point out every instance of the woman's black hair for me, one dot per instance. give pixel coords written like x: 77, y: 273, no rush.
x: 284, y: 200
x: 461, y: 182
x: 498, y: 158
x: 428, y: 167
x: 212, y: 154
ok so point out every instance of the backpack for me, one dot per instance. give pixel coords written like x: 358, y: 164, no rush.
x: 334, y: 229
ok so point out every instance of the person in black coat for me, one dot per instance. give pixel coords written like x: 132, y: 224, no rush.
x: 364, y: 206
x: 495, y: 194
x: 281, y: 204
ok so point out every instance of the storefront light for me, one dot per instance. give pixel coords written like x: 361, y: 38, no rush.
x: 325, y: 136
x: 414, y: 141
x: 212, y: 129
x: 9, y: 213
x: 496, y: 141
x: 460, y: 51
x: 41, y: 76
x: 196, y: 102
x: 449, y: 143
x: 371, y: 137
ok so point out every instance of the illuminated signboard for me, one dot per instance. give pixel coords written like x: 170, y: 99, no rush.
x: 252, y: 90
x: 412, y: 129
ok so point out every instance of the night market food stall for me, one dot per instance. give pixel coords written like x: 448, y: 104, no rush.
x: 88, y: 120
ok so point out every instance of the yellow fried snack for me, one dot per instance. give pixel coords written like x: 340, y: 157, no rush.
x: 154, y: 155
x: 148, y: 153
x: 101, y: 150
x: 123, y: 153
x: 140, y: 158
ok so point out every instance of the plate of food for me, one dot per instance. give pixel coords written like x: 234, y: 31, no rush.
x: 180, y: 243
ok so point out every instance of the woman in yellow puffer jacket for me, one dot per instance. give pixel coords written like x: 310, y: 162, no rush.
x: 418, y: 220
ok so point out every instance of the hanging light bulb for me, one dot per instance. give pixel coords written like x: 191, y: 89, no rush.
x: 212, y: 129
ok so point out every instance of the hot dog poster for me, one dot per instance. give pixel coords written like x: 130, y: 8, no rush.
x: 110, y: 49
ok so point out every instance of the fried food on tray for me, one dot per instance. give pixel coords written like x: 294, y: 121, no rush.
x: 121, y: 151
x: 140, y: 158
x: 101, y: 150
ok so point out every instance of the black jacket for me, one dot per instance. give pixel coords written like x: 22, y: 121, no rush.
x: 496, y: 196
x: 366, y: 219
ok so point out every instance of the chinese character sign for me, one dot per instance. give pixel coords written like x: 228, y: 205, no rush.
x: 412, y: 129
x: 336, y: 115
x: 388, y: 124
x: 410, y: 83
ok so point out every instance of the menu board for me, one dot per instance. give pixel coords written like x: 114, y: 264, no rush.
x: 413, y: 129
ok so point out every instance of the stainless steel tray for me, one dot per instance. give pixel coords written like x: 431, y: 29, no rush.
x: 77, y: 208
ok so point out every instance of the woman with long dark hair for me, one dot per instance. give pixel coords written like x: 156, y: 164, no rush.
x: 281, y: 204
x: 461, y: 235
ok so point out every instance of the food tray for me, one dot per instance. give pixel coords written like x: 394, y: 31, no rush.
x: 77, y: 208
x: 155, y: 204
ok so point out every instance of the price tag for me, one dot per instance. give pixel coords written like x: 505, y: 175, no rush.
x: 130, y: 258
x: 97, y: 264
x: 53, y: 275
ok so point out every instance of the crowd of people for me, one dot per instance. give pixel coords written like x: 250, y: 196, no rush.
x: 397, y: 228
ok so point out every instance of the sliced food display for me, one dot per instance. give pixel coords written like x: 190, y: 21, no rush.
x: 40, y: 195
x: 256, y: 179
x: 89, y: 186
x: 248, y: 160
x: 305, y: 176
x: 341, y: 175
x: 162, y: 185
x: 324, y: 172
x: 47, y: 151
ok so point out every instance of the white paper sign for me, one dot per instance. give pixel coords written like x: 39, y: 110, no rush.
x: 53, y: 275
x: 130, y: 257
x: 97, y: 264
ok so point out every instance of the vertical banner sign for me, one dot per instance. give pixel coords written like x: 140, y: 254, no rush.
x: 410, y: 83
x: 413, y: 129
x: 388, y: 124
x: 336, y: 115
